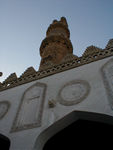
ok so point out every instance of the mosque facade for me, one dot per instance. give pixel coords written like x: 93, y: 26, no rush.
x: 39, y: 104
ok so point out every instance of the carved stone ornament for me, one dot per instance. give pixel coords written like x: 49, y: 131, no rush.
x: 56, y: 45
x: 91, y: 50
x: 52, y: 103
x: 107, y: 74
x: 73, y: 92
x: 28, y: 72
x: 30, y: 111
x: 4, y: 106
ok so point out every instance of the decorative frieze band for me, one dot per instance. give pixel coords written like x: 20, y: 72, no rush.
x: 56, y: 69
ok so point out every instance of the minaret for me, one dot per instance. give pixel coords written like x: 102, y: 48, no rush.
x: 56, y: 46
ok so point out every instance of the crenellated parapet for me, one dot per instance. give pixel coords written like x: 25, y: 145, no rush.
x: 91, y: 50
x: 56, y: 53
x: 110, y: 44
x: 10, y: 79
x: 28, y: 72
x: 90, y: 55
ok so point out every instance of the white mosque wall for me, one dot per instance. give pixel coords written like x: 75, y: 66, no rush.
x: 28, y: 109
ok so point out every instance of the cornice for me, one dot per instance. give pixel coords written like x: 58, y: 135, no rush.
x: 32, y: 75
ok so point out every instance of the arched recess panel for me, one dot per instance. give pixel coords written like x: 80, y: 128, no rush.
x: 107, y: 74
x: 4, y: 107
x: 68, y: 120
x: 30, y: 111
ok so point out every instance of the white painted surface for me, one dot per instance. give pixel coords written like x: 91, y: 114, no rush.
x: 73, y: 92
x: 96, y: 101
x: 30, y: 109
x: 107, y: 73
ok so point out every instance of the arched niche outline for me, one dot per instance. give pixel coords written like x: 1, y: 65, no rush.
x: 4, y: 107
x: 107, y: 75
x: 29, y: 114
x: 68, y: 120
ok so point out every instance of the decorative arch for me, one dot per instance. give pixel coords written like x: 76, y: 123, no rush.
x: 107, y: 74
x: 29, y: 113
x: 68, y: 120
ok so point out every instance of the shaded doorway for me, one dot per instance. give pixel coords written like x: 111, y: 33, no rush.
x: 4, y: 142
x: 82, y: 134
x: 102, y: 123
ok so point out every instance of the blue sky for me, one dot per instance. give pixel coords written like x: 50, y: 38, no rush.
x: 23, y: 25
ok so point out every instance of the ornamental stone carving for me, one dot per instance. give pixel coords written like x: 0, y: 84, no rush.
x: 58, y: 27
x: 12, y: 77
x: 110, y: 44
x: 28, y: 72
x: 91, y: 50
x: 52, y: 103
x: 73, y: 92
x: 4, y: 107
x: 30, y: 111
x: 56, y: 45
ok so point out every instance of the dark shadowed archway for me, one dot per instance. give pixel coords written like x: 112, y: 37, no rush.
x: 74, y: 128
x: 82, y: 134
x: 4, y: 142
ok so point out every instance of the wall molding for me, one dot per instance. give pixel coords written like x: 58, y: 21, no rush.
x: 4, y: 107
x: 73, y: 92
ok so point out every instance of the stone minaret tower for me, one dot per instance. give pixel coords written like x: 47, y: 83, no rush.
x: 56, y: 47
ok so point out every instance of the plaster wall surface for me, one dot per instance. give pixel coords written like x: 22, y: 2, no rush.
x: 95, y: 101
